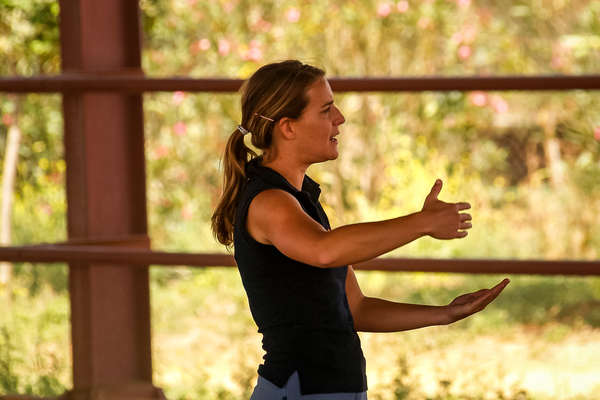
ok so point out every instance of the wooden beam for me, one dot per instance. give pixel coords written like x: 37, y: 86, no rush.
x: 133, y: 81
x: 132, y: 257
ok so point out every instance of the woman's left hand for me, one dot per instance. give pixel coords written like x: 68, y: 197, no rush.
x: 470, y: 303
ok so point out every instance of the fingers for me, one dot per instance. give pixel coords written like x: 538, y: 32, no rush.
x: 492, y: 294
x: 500, y: 287
x: 482, y: 294
x: 435, y: 190
x: 494, y: 290
x: 486, y: 297
x: 471, y: 303
x: 462, y: 224
x: 482, y: 303
x: 462, y: 206
x: 469, y: 297
x: 451, y: 224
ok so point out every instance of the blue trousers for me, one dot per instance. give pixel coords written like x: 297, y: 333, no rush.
x: 266, y: 390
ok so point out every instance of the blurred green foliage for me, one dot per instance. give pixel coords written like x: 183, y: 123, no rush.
x: 494, y: 149
x: 35, y: 345
x: 529, y: 163
x: 29, y: 44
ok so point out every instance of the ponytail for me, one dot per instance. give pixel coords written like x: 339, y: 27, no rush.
x: 235, y: 159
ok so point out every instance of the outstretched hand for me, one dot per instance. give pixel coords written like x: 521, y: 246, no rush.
x: 446, y: 221
x: 470, y: 303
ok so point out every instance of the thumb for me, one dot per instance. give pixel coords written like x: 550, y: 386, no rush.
x: 435, y: 190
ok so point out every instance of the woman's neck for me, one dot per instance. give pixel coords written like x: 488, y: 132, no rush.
x: 294, y: 174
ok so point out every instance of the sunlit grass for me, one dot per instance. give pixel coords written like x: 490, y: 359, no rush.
x: 541, y: 329
x: 539, y: 340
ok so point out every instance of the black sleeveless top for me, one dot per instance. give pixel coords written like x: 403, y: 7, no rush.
x: 301, y: 310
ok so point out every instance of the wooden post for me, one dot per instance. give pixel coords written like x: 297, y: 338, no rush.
x: 104, y: 152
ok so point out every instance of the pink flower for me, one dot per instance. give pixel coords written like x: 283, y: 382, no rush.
x: 262, y: 25
x: 224, y: 47
x: 560, y: 55
x: 178, y: 97
x: 161, y: 151
x: 204, y: 44
x: 485, y: 15
x: 7, y: 119
x: 254, y: 53
x: 402, y: 6
x: 557, y: 61
x: 463, y: 3
x: 424, y: 22
x: 469, y: 33
x: 228, y: 7
x: 292, y: 15
x: 457, y: 37
x: 499, y: 104
x: 464, y: 52
x: 180, y: 128
x: 478, y: 98
x: 186, y: 212
x: 597, y: 133
x: 384, y: 9
x: 46, y: 209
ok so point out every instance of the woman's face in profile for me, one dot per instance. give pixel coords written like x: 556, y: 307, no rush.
x: 319, y: 123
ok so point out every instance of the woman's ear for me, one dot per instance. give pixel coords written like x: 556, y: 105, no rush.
x: 286, y: 127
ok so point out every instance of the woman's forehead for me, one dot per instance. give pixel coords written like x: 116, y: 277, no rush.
x: 320, y: 92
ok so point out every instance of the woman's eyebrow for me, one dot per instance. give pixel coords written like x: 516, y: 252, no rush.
x: 328, y: 103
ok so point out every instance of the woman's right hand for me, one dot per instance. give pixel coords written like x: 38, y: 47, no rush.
x: 446, y: 222
x: 470, y: 303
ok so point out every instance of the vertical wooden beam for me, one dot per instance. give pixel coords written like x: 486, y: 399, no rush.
x: 106, y: 196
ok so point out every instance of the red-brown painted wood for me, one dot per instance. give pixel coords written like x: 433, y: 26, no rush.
x: 141, y: 257
x: 132, y: 81
x: 104, y: 153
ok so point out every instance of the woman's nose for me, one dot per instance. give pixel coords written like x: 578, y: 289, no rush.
x: 339, y: 117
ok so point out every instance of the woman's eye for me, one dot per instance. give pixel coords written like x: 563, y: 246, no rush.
x: 327, y: 109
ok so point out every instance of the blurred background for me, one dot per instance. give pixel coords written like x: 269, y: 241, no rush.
x: 528, y: 162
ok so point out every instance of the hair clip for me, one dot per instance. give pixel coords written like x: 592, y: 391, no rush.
x: 242, y: 129
x: 262, y: 116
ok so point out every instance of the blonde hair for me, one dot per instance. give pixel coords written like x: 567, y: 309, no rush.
x: 274, y: 91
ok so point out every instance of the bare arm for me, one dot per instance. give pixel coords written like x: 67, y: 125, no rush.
x: 372, y: 314
x: 351, y: 244
x: 277, y: 217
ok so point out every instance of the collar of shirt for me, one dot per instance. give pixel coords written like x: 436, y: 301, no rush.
x: 309, y: 186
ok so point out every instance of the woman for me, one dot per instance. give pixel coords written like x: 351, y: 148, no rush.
x: 297, y: 272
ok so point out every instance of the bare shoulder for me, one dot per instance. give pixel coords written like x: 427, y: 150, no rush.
x: 275, y: 217
x: 266, y: 208
x: 269, y: 203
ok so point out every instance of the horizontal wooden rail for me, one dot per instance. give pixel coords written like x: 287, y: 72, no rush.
x: 139, y: 257
x: 137, y: 83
